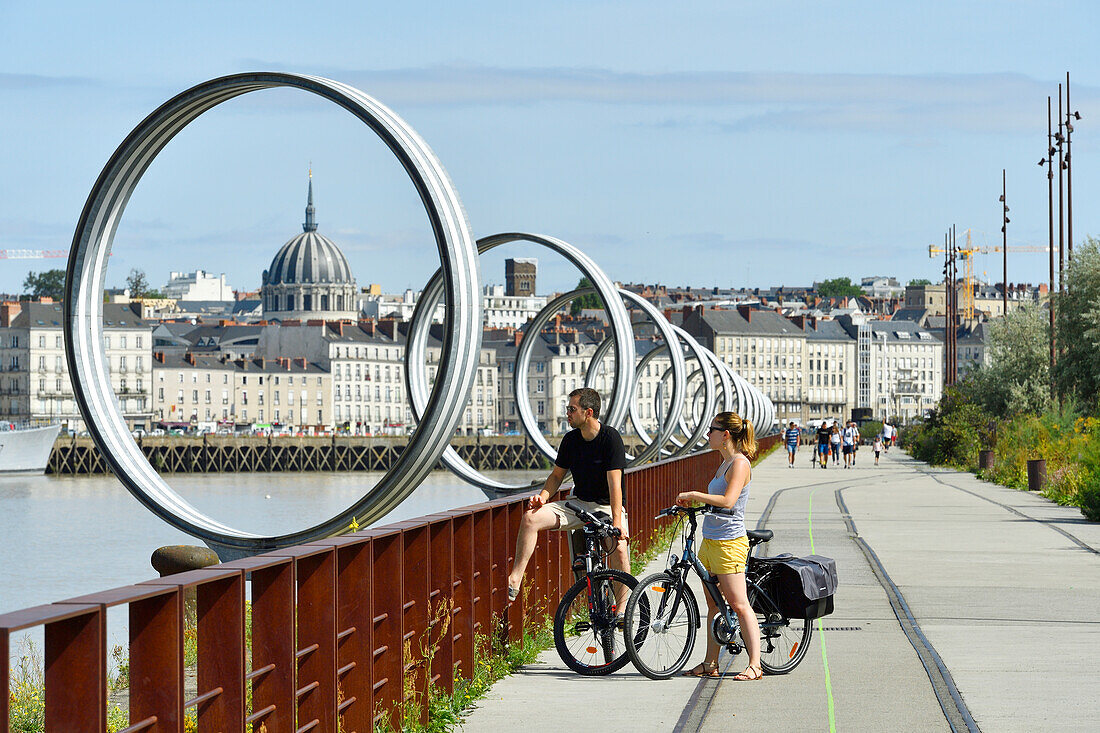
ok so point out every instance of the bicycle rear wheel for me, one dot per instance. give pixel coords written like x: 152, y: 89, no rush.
x: 585, y: 633
x: 783, y: 641
x: 661, y: 622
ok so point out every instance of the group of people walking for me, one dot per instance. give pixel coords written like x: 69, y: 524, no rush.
x: 836, y: 442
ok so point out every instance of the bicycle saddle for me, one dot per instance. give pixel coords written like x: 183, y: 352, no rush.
x: 760, y: 535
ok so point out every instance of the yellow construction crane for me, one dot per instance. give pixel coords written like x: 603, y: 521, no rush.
x: 966, y: 254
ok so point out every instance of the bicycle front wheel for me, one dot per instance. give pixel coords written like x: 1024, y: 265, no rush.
x: 660, y: 624
x: 586, y: 634
x: 783, y: 641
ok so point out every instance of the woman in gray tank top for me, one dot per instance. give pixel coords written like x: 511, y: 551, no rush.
x: 724, y: 550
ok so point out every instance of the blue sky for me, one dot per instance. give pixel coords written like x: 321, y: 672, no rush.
x: 725, y: 143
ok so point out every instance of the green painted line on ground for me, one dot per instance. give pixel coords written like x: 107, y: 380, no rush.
x: 820, y: 628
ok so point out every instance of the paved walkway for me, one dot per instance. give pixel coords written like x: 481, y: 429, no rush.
x: 962, y: 605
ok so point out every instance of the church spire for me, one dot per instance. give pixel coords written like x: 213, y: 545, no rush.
x: 310, y: 224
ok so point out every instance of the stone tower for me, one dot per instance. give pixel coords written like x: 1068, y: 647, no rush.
x: 519, y: 275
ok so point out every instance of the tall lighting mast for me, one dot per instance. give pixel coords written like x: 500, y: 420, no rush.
x: 1048, y: 161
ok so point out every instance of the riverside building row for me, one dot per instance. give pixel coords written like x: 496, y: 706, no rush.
x: 322, y: 376
x: 816, y: 369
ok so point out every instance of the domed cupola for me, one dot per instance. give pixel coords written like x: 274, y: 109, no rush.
x: 309, y: 277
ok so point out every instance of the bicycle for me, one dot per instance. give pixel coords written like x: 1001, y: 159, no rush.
x: 587, y: 625
x: 662, y: 615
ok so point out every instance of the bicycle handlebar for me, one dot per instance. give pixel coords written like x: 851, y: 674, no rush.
x: 674, y: 510
x: 590, y: 518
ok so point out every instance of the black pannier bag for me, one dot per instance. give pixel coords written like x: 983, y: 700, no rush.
x: 804, y: 586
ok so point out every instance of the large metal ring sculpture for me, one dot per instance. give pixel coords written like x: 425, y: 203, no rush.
x: 84, y: 312
x: 416, y: 379
x: 457, y: 283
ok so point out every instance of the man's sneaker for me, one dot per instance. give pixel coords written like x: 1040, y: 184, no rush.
x: 513, y: 593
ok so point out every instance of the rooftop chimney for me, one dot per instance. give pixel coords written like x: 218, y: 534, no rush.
x: 8, y: 311
x: 745, y: 311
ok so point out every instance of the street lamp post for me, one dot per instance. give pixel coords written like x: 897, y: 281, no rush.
x: 1060, y: 139
x: 1070, y: 117
x: 950, y: 331
x: 1048, y: 161
x: 1004, y: 238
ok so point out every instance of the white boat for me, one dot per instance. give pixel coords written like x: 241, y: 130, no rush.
x: 25, y: 450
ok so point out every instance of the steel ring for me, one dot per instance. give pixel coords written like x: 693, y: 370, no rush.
x: 83, y: 316
x: 416, y: 378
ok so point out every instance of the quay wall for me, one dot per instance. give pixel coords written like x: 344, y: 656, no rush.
x: 217, y: 454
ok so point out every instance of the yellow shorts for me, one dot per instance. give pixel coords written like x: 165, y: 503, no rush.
x: 723, y: 557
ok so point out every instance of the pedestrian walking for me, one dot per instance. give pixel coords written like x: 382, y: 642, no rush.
x: 847, y: 444
x: 823, y: 437
x: 834, y: 442
x: 856, y: 440
x: 791, y: 436
x: 877, y: 447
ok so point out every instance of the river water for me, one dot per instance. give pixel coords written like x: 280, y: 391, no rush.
x: 65, y: 536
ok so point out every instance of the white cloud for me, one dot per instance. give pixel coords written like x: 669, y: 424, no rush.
x: 738, y: 101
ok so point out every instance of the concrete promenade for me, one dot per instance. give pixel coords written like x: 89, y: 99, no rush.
x: 997, y: 592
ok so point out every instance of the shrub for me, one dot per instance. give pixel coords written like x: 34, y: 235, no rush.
x: 869, y: 429
x: 952, y: 434
x: 1088, y: 496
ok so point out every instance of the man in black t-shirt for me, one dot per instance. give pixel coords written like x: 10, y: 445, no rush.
x: 824, y: 435
x: 594, y: 453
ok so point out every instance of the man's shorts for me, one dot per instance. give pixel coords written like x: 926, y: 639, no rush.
x: 723, y: 557
x: 849, y: 449
x: 823, y: 448
x: 569, y: 520
x: 792, y: 448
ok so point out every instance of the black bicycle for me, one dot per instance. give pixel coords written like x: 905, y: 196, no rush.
x: 662, y: 616
x: 588, y: 629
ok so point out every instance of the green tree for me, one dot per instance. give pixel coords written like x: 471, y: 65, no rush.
x: 1018, y: 378
x: 50, y: 283
x: 1077, y: 324
x: 838, y: 287
x: 139, y: 285
x: 590, y: 300
x: 920, y: 281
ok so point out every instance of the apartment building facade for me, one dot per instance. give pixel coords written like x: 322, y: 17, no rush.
x: 264, y: 392
x: 765, y: 348
x: 34, y: 375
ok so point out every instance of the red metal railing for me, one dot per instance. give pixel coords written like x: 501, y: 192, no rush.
x: 331, y: 621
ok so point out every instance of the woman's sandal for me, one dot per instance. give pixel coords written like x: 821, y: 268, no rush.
x: 700, y: 670
x: 751, y: 674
